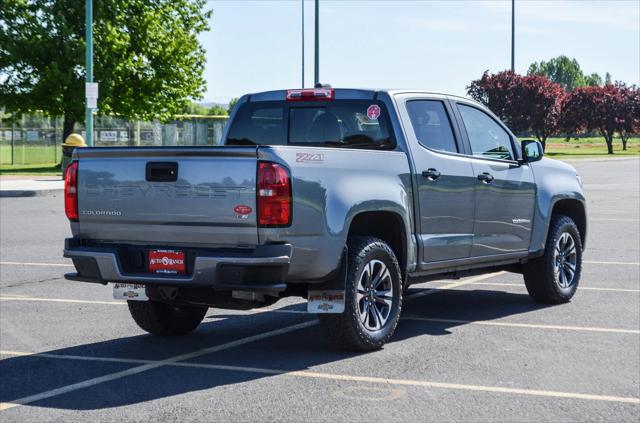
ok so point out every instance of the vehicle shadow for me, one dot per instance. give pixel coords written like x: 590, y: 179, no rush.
x: 302, y: 349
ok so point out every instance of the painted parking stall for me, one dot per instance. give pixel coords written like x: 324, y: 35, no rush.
x: 467, y: 350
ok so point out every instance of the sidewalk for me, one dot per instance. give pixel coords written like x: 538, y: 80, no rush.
x: 25, y: 186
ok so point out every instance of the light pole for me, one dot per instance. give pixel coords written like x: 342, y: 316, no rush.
x: 88, y: 118
x: 513, y: 34
x: 302, y: 1
x: 317, y: 46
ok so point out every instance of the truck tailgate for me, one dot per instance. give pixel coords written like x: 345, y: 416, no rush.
x: 168, y: 196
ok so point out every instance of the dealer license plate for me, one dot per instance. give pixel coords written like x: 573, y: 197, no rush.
x: 169, y: 262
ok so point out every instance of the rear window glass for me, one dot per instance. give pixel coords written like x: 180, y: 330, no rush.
x: 341, y: 123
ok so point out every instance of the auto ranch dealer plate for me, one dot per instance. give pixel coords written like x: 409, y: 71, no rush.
x: 129, y: 292
x: 168, y: 262
x: 325, y: 302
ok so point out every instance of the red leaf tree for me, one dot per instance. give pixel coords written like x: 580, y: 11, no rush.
x: 628, y: 112
x: 523, y: 102
x: 542, y: 100
x: 497, y: 92
x: 594, y: 108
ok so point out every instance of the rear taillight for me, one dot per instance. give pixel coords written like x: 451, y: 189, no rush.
x: 310, y: 95
x: 274, y: 195
x: 71, y: 191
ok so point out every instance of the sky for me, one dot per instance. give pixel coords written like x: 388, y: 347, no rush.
x: 438, y: 46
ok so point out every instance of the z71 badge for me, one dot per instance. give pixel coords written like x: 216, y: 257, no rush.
x: 309, y: 158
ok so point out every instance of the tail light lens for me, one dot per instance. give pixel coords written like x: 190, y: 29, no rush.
x: 71, y: 191
x: 274, y: 195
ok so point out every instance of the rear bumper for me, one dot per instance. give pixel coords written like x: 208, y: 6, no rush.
x: 262, y: 268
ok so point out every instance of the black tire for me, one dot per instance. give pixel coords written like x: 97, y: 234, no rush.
x: 165, y: 319
x: 347, y: 331
x: 541, y: 276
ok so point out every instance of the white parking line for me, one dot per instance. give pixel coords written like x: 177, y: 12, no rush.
x: 612, y: 219
x: 17, y: 263
x: 430, y: 291
x: 342, y: 377
x: 152, y: 365
x: 580, y: 288
x: 619, y: 263
x: 524, y: 325
x: 59, y: 300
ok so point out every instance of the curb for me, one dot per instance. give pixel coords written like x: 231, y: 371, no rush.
x: 30, y: 193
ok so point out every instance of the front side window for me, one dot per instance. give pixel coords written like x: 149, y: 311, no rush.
x: 487, y: 138
x: 431, y: 125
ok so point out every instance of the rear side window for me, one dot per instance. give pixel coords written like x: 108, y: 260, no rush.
x: 431, y: 125
x: 337, y: 123
x: 487, y: 139
x: 258, y: 126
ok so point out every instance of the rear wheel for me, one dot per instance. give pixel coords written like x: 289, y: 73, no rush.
x: 373, y: 298
x: 554, y: 277
x: 165, y: 319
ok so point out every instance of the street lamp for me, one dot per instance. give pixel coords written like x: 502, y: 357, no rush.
x: 513, y: 34
x: 317, y: 46
x: 302, y: 1
x: 89, y: 87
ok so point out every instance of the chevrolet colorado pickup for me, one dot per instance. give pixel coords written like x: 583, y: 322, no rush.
x: 342, y: 196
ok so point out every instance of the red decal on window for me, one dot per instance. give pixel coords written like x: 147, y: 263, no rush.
x: 373, y: 112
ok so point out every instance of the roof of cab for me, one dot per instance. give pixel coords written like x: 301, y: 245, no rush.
x: 350, y: 94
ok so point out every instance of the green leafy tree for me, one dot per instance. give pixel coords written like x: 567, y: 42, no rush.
x: 147, y: 57
x: 593, y: 80
x: 607, y: 79
x: 566, y: 72
x: 194, y: 109
x: 217, y: 110
x: 232, y: 104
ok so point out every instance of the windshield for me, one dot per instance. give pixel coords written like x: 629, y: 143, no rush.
x: 337, y: 123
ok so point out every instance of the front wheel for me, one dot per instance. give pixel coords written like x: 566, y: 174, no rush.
x: 554, y: 277
x: 165, y: 319
x: 373, y: 298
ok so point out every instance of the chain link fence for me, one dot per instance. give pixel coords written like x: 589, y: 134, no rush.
x: 35, y: 140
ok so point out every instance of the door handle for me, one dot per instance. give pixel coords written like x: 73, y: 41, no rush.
x: 431, y: 174
x: 162, y: 171
x: 485, y: 177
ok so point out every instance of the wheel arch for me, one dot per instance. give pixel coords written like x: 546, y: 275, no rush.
x: 574, y: 209
x: 388, y: 226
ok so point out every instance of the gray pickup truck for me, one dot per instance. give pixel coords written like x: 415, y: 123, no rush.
x: 344, y: 197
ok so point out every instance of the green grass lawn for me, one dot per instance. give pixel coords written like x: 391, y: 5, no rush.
x: 558, y: 148
x: 29, y: 154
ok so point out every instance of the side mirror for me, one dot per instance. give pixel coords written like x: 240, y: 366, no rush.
x: 532, y: 151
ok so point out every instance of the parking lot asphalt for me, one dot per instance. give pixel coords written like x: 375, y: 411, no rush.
x: 475, y: 349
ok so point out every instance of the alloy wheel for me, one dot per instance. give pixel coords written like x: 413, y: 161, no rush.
x: 375, y: 295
